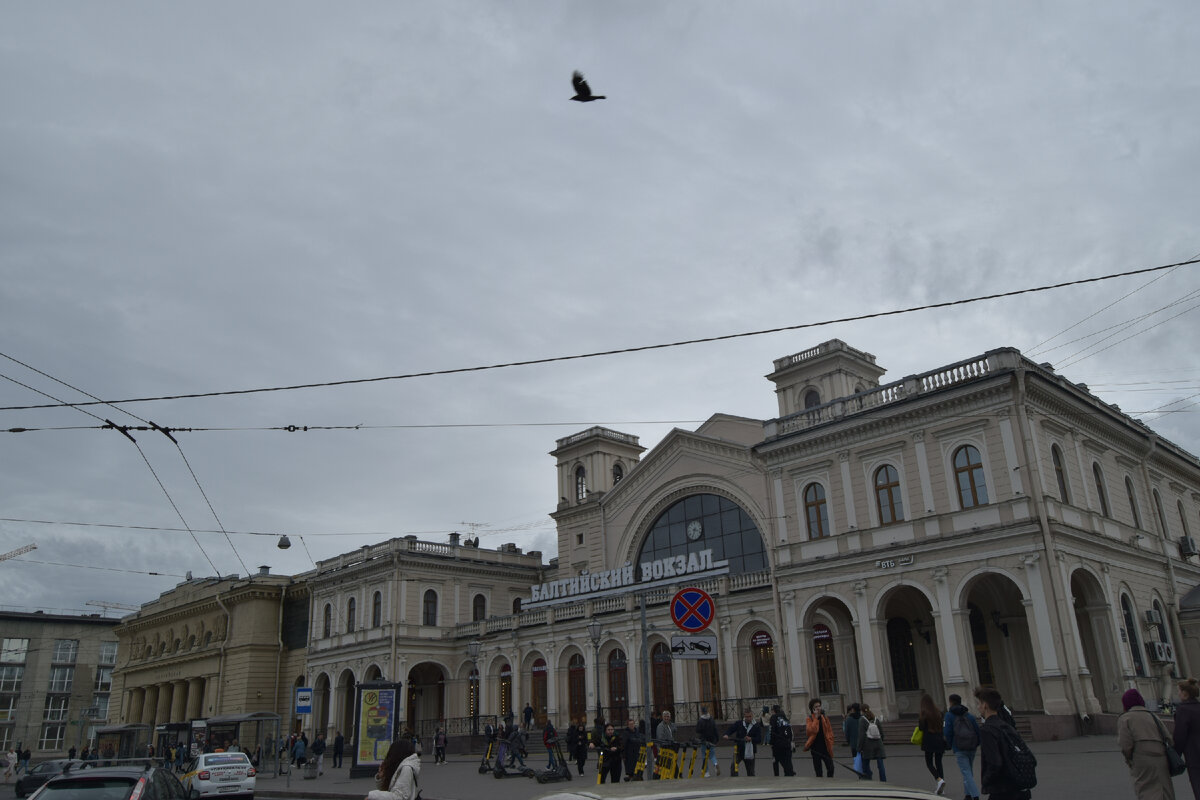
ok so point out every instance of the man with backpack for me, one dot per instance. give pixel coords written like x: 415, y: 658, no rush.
x: 1008, y: 768
x: 962, y: 734
x: 781, y: 742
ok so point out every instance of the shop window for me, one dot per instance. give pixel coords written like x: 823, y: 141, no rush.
x: 478, y: 608
x: 1060, y: 474
x: 887, y: 495
x: 815, y: 511
x: 968, y: 474
x: 1133, y: 505
x: 903, y: 655
x: 1101, y: 493
x: 429, y: 608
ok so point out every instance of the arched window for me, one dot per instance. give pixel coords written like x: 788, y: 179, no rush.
x: 351, y: 607
x: 537, y: 682
x: 327, y: 622
x: 1133, y: 506
x: 812, y: 398
x: 478, y: 608
x: 1162, y: 518
x: 580, y: 484
x: 762, y: 653
x: 662, y: 683
x: 887, y: 495
x: 576, y: 687
x: 1060, y: 474
x: 618, y: 473
x: 472, y: 692
x: 903, y: 657
x: 1098, y: 475
x: 968, y: 474
x: 827, y: 682
x: 429, y: 608
x: 702, y: 522
x: 1135, y: 647
x: 516, y: 605
x: 377, y: 610
x: 1164, y: 628
x: 1183, y: 519
x: 815, y: 511
x: 505, y: 690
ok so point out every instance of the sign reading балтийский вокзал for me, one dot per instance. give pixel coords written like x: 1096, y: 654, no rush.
x: 650, y: 574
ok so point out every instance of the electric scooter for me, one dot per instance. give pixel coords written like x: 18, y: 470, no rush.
x: 561, y: 771
x: 500, y: 770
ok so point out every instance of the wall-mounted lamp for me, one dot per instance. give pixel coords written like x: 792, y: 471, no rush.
x: 919, y: 626
x: 999, y: 623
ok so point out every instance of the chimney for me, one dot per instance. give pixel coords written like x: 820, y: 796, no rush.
x: 264, y: 570
x: 454, y: 538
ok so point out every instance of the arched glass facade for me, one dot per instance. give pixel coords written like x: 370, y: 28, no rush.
x: 707, y: 522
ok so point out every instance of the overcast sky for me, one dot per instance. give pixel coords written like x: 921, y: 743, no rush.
x: 222, y: 196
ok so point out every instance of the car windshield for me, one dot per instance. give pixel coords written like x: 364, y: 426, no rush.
x: 97, y: 789
x: 47, y: 766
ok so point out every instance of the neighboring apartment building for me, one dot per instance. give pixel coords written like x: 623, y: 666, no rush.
x: 56, y: 675
x: 211, y: 647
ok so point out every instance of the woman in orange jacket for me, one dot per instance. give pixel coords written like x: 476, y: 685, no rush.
x: 819, y: 737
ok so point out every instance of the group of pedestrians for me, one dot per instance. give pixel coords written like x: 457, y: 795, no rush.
x: 15, y: 762
x: 1144, y: 743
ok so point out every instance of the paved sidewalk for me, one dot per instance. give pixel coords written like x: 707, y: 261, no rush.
x: 1085, y: 768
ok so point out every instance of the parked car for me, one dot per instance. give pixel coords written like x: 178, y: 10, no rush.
x: 41, y: 772
x: 134, y: 781
x: 220, y: 774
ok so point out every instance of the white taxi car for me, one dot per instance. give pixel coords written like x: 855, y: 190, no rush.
x: 220, y: 774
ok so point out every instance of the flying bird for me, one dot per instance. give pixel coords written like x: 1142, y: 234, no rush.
x: 583, y: 92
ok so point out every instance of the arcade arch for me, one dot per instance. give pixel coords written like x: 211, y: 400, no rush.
x: 1001, y: 640
x: 1093, y: 620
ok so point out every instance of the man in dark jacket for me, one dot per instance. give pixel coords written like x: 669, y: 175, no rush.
x: 965, y: 745
x: 706, y: 732
x: 318, y: 752
x: 850, y: 727
x: 781, y: 742
x: 994, y: 778
x: 632, y: 740
x: 339, y: 749
x: 747, y: 735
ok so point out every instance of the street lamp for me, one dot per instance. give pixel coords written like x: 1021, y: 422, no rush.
x: 593, y: 629
x: 473, y: 654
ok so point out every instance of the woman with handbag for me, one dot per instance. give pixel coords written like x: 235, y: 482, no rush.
x: 1142, y: 739
x: 397, y: 775
x: 933, y: 743
x: 1187, y: 731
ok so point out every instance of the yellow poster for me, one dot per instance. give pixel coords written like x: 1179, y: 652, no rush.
x: 376, y: 715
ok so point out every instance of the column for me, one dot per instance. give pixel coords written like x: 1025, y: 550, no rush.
x: 137, y: 698
x: 179, y: 698
x: 848, y: 490
x: 195, y: 698
x: 866, y: 636
x: 1010, y: 454
x: 923, y: 471
x: 793, y: 662
x: 162, y: 714
x: 947, y: 630
x: 150, y: 706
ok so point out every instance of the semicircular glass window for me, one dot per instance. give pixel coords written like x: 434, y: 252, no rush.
x: 706, y: 522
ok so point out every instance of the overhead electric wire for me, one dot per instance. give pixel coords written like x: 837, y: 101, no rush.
x: 20, y: 560
x: 1122, y: 325
x: 1079, y: 356
x: 625, y: 350
x: 275, y: 534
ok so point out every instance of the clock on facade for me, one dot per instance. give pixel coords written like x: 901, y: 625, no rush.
x: 694, y: 530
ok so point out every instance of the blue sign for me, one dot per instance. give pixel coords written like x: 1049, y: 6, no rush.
x: 303, y: 700
x: 692, y: 610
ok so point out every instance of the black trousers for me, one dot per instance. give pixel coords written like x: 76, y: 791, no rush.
x: 783, y: 757
x: 611, y: 769
x: 337, y: 759
x: 748, y: 766
x: 820, y: 757
x: 933, y: 763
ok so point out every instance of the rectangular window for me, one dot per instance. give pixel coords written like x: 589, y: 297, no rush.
x: 61, y: 678
x: 6, y: 737
x: 65, y: 650
x: 12, y: 651
x: 52, y: 737
x: 8, y: 707
x: 56, y: 707
x: 100, y: 702
x: 10, y: 678
x: 103, y: 679
x: 108, y: 653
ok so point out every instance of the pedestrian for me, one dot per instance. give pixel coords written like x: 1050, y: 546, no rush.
x: 870, y: 742
x: 339, y: 748
x: 317, y: 751
x: 931, y: 722
x: 818, y: 739
x: 179, y: 751
x: 71, y: 753
x: 781, y: 742
x: 398, y: 775
x: 439, y: 746
x: 631, y: 746
x: 577, y: 743
x: 665, y: 730
x: 1140, y: 736
x: 528, y: 715
x: 706, y: 732
x: 961, y: 732
x: 746, y: 736
x: 10, y: 765
x: 26, y: 756
x: 300, y: 752
x: 996, y: 738
x: 516, y: 746
x: 1187, y: 731
x: 850, y: 727
x: 549, y: 739
x: 611, y: 746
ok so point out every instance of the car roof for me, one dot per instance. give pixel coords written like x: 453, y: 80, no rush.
x: 760, y: 788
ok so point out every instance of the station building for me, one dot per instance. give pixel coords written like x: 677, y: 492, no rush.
x: 984, y: 523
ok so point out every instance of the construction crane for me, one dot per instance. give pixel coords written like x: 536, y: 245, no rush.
x: 20, y: 551
x: 107, y: 604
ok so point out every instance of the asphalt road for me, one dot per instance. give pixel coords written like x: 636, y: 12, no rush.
x: 1087, y: 768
